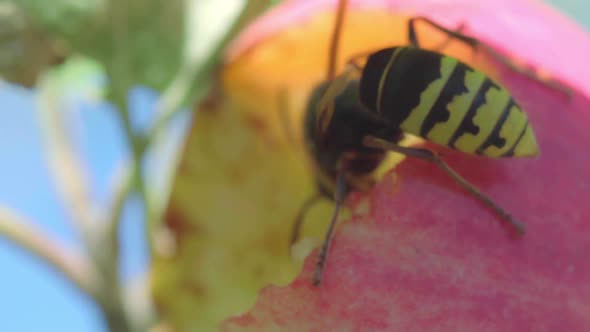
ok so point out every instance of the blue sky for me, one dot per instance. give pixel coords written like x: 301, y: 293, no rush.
x: 32, y: 297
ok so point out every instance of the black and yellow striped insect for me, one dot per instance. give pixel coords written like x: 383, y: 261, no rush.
x: 351, y: 123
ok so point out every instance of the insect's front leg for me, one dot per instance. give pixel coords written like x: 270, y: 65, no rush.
x: 340, y: 194
x: 307, y: 204
x: 326, y: 103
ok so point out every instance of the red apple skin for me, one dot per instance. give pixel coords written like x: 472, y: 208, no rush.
x: 426, y: 256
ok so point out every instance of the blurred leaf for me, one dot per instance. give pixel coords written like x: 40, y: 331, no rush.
x: 138, y: 42
x: 25, y: 49
x: 80, y: 78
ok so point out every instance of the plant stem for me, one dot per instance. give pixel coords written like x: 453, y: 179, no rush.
x: 73, y: 267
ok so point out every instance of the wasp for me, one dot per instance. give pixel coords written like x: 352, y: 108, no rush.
x: 351, y: 123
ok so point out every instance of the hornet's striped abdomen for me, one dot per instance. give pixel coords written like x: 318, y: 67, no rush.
x: 445, y: 101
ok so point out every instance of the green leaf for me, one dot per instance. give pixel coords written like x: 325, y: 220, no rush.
x: 25, y: 49
x: 138, y: 42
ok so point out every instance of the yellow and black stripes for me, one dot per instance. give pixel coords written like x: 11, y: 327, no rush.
x: 456, y: 108
x: 445, y: 101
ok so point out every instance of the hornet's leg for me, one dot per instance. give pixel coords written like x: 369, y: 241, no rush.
x: 327, y: 106
x: 339, y: 196
x: 326, y: 103
x: 449, y: 39
x: 476, y: 44
x: 296, y: 231
x: 428, y: 155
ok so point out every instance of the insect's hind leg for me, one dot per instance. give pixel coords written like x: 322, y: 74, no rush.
x: 413, y: 36
x: 449, y: 39
x: 477, y: 44
x: 428, y: 155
